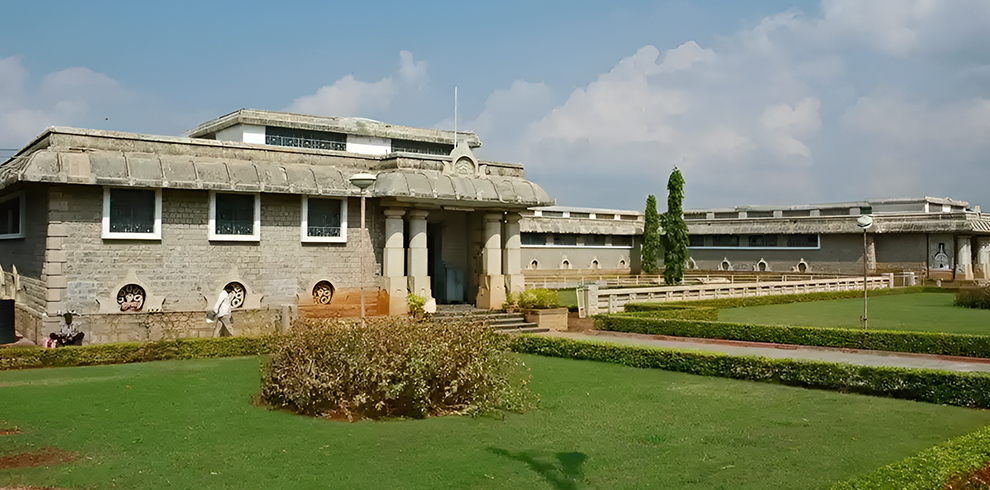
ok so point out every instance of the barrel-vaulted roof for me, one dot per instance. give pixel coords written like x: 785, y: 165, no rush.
x: 95, y: 157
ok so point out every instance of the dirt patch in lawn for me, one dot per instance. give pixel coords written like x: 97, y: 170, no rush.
x: 30, y: 488
x: 43, y: 457
x: 7, y: 432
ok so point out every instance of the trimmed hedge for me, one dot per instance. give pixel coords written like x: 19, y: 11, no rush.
x: 973, y: 298
x: 787, y: 298
x: 929, y: 469
x: 681, y: 312
x: 942, y: 387
x: 125, y: 352
x: 947, y: 344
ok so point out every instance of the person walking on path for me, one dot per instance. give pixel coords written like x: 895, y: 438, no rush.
x: 222, y: 309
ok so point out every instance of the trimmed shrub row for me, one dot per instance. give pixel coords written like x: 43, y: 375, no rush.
x: 942, y: 387
x: 787, y: 298
x: 119, y: 353
x: 973, y: 298
x: 929, y: 469
x: 678, y: 311
x: 947, y: 344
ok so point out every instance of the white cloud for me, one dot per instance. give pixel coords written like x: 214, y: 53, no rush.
x: 346, y: 97
x: 904, y: 28
x: 861, y: 101
x: 412, y: 72
x: 351, y: 97
x: 921, y: 146
x: 73, y: 96
x: 505, y: 116
x: 786, y: 124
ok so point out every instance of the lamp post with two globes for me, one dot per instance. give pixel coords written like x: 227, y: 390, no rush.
x: 362, y: 181
x: 865, y: 221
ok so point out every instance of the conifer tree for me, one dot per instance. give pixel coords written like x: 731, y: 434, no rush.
x: 651, y: 236
x: 675, y: 251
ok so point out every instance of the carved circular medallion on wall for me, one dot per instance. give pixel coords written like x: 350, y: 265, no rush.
x: 131, y: 298
x: 323, y: 292
x: 237, y: 294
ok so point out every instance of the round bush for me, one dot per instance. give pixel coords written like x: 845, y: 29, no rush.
x: 394, y: 367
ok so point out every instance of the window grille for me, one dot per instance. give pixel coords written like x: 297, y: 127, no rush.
x: 234, y: 214
x: 10, y: 216
x: 303, y: 138
x: 323, y: 219
x: 533, y: 238
x: 421, y: 147
x: 132, y: 211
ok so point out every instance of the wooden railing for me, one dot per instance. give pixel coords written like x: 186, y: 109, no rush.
x: 613, y: 300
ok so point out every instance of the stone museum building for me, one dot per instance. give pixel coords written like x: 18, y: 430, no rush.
x: 138, y: 234
x: 938, y: 238
x: 561, y: 238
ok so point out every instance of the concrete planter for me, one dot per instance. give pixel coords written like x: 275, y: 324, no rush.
x: 553, y: 318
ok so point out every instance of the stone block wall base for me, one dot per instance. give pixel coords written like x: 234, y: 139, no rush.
x: 964, y: 272
x: 395, y: 288
x: 941, y: 274
x: 491, y: 292
x: 143, y: 327
x: 420, y: 285
x: 515, y: 283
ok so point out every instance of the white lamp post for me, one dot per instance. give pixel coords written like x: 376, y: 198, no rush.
x: 362, y: 181
x: 864, y: 222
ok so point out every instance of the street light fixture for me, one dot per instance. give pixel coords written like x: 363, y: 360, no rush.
x: 362, y: 181
x: 865, y: 221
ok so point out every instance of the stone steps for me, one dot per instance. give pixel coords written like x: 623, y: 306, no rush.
x: 497, y: 320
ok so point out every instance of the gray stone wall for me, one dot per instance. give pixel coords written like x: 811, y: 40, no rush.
x: 902, y: 252
x: 28, y: 253
x: 550, y: 258
x: 170, y: 325
x: 184, y: 271
x: 839, y: 254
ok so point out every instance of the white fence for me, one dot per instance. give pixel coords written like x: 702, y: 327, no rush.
x: 592, y: 300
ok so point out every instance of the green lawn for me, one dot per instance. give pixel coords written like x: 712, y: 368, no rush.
x: 189, y: 424
x: 925, y: 312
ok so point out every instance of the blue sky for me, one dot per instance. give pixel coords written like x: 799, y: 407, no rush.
x: 769, y: 102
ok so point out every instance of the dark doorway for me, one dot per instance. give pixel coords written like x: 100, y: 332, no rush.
x: 438, y: 271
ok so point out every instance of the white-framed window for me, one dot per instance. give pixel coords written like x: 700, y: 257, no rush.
x: 132, y: 214
x: 324, y: 220
x: 12, y: 216
x: 235, y: 217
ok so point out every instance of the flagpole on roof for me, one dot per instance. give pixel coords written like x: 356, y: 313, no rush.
x: 455, y: 116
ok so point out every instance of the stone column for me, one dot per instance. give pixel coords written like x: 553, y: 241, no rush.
x: 964, y: 258
x: 983, y: 256
x: 393, y: 262
x: 491, y: 282
x: 512, y: 255
x: 418, y: 255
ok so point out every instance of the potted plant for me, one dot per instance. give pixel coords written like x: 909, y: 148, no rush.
x: 511, y: 302
x: 416, y: 303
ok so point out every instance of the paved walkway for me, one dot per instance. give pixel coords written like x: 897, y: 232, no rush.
x: 785, y: 351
